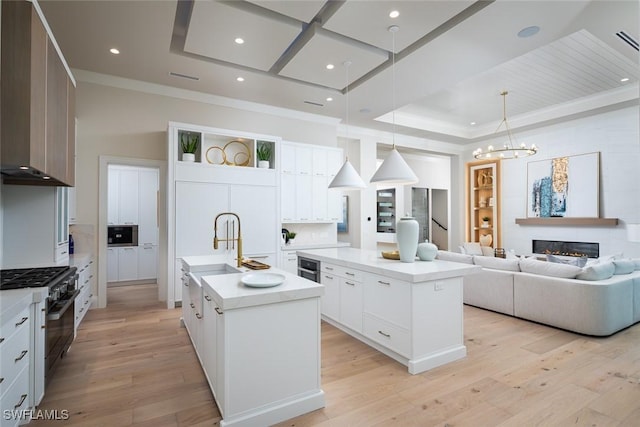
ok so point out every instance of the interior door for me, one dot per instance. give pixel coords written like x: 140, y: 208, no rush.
x: 420, y: 211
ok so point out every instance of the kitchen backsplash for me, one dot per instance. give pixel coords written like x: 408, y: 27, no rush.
x: 313, y: 233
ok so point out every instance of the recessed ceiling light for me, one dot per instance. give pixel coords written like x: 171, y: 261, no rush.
x: 24, y: 168
x: 240, y: 79
x: 624, y: 79
x: 329, y: 99
x: 114, y: 51
x: 394, y: 14
x: 239, y: 40
x: 329, y: 66
x: 528, y: 31
x: 472, y: 123
x: 46, y: 177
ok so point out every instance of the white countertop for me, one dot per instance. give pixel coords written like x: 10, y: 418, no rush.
x: 13, y: 301
x: 297, y: 247
x: 230, y: 293
x: 372, y: 261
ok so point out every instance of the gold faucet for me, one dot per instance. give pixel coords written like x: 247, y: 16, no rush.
x: 239, y: 239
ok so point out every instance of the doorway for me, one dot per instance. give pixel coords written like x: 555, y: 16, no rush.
x: 430, y: 208
x: 154, y: 170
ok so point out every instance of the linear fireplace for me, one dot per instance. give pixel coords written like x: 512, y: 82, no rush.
x: 577, y: 249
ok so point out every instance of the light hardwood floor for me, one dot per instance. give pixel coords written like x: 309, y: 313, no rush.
x: 132, y: 364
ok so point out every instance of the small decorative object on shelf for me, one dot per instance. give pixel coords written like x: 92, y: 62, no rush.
x: 407, y: 234
x: 483, y: 202
x: 485, y: 222
x: 290, y: 237
x: 427, y: 251
x: 189, y: 144
x: 263, y: 151
x: 486, y: 240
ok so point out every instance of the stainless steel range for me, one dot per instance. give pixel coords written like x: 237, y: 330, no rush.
x: 62, y: 283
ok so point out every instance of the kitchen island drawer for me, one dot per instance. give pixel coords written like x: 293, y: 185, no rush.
x: 388, y: 298
x: 15, y: 356
x: 344, y: 272
x: 389, y: 335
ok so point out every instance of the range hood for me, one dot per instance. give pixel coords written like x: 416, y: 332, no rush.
x: 28, y: 176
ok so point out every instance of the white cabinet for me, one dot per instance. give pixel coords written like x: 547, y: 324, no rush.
x: 128, y: 195
x: 61, y: 248
x: 256, y: 207
x: 73, y: 215
x: 15, y: 348
x: 148, y: 207
x: 128, y: 263
x: 112, y: 264
x: 343, y: 296
x: 210, y: 346
x: 85, y: 265
x: 305, y: 196
x: 290, y: 262
x: 147, y: 262
x: 113, y: 201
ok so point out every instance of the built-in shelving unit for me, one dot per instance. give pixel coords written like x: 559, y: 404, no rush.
x: 568, y: 221
x: 386, y: 210
x: 483, y: 201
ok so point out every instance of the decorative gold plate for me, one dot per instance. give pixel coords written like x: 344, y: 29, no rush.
x: 391, y: 255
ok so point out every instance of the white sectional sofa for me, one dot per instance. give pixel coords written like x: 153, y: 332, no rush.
x: 545, y: 292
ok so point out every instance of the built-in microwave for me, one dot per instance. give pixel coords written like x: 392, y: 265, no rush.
x: 122, y: 235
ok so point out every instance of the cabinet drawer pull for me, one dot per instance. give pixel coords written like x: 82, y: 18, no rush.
x: 259, y: 257
x: 22, y: 355
x: 81, y: 310
x: 329, y: 268
x: 349, y: 274
x: 207, y: 297
x: 24, y: 319
x: 384, y: 335
x: 349, y: 283
x: 2, y: 339
x: 218, y: 310
x: 328, y: 277
x: 384, y: 283
x: 19, y: 404
x: 192, y: 306
x: 186, y: 284
x: 198, y: 315
x: 1, y: 380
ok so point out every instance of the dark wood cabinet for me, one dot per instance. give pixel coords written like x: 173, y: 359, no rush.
x: 35, y: 102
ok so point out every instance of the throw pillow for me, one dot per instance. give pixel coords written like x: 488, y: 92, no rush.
x: 487, y: 251
x: 497, y: 263
x: 636, y: 261
x: 577, y: 261
x: 454, y: 257
x: 472, y: 248
x: 544, y: 268
x: 597, y: 271
x: 623, y: 266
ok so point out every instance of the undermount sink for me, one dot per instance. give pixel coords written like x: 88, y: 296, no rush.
x: 214, y: 270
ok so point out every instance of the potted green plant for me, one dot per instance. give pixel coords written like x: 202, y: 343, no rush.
x: 189, y: 144
x: 485, y: 221
x: 290, y: 236
x: 263, y: 151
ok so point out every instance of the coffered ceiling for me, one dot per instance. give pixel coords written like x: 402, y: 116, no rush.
x: 452, y: 58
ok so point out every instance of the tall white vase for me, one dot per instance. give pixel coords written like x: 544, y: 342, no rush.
x: 407, y: 234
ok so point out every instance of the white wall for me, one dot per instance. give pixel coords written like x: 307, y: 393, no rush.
x: 121, y: 123
x: 615, y: 135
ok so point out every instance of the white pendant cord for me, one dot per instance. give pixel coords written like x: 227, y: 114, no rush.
x: 394, y: 29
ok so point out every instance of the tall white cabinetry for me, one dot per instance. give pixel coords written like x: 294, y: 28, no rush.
x: 199, y: 191
x: 133, y: 200
x: 306, y: 173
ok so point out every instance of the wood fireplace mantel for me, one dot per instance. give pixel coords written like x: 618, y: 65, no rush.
x: 569, y: 222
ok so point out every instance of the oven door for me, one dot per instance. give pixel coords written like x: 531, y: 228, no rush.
x: 309, y: 269
x: 59, y: 332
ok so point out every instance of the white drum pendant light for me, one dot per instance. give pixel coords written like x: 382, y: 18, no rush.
x: 394, y: 170
x: 347, y: 178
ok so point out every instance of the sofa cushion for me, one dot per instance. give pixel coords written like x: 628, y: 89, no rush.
x: 455, y: 257
x: 577, y: 261
x: 472, y: 248
x: 597, y: 271
x: 549, y: 268
x: 623, y: 266
x: 497, y: 263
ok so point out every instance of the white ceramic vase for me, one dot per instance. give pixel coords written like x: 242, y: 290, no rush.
x: 264, y: 164
x: 486, y: 240
x: 427, y: 251
x: 407, y: 234
x: 188, y: 157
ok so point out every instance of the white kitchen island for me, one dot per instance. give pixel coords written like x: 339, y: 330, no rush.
x: 259, y: 347
x: 411, y: 312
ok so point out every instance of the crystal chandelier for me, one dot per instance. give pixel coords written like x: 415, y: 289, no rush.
x: 508, y: 150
